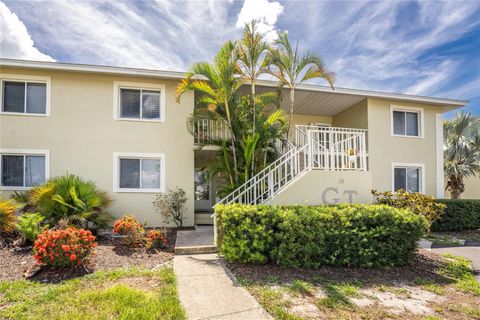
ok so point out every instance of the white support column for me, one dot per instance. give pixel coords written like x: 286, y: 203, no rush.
x: 440, y: 179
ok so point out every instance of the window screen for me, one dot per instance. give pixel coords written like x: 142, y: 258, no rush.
x: 14, y: 96
x: 129, y: 103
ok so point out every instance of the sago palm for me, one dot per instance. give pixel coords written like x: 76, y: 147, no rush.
x: 252, y: 50
x: 217, y: 85
x: 292, y: 68
x: 70, y: 199
x: 461, y: 151
x: 7, y: 216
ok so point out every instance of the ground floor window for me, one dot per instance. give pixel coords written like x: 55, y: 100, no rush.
x: 408, y: 177
x: 22, y: 169
x: 139, y: 172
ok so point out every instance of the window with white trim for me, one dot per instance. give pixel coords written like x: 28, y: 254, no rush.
x: 22, y: 170
x: 408, y: 178
x: 406, y: 123
x: 140, y: 104
x: 24, y: 97
x: 139, y: 172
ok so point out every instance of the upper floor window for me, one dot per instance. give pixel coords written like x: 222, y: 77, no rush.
x: 27, y: 95
x: 141, y: 102
x: 21, y: 169
x: 407, y: 122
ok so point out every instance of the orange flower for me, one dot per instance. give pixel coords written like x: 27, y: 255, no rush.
x: 73, y: 257
x: 65, y: 247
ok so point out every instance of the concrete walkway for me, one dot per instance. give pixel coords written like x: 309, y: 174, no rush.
x: 471, y: 253
x: 207, y: 290
x: 195, y: 241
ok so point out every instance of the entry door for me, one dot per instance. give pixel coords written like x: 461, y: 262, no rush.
x: 203, y: 191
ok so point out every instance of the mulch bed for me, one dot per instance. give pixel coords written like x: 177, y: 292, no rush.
x: 425, y: 266
x: 111, y: 254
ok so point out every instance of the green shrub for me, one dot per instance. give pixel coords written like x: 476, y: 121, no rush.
x: 71, y: 199
x: 460, y: 214
x: 29, y: 225
x: 312, y: 236
x: 7, y: 216
x: 417, y: 202
x: 246, y: 233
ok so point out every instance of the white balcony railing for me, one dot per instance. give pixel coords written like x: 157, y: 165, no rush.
x: 332, y: 148
x: 206, y: 130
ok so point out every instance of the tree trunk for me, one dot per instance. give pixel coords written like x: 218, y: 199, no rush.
x: 455, y: 194
x: 292, y: 99
x: 254, y: 122
x: 235, y: 168
x: 456, y: 186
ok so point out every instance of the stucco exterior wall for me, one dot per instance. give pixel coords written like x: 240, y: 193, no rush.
x: 82, y: 135
x: 354, y: 117
x: 327, y: 187
x: 385, y: 149
x: 306, y: 119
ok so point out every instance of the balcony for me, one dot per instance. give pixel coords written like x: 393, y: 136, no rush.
x: 207, y: 130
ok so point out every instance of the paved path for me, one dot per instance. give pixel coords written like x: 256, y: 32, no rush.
x: 470, y: 252
x: 207, y: 291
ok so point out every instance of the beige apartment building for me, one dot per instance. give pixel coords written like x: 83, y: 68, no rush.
x: 123, y: 129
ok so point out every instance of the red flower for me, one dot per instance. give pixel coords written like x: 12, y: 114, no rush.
x: 73, y: 257
x: 65, y: 247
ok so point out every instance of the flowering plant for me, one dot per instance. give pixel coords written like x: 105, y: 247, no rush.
x: 131, y: 228
x: 64, y: 248
x: 155, y: 239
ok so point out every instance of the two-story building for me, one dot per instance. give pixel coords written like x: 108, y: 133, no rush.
x: 123, y: 129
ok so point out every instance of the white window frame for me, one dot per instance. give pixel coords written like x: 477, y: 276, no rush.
x: 117, y: 85
x: 25, y: 152
x: 420, y: 166
x: 26, y: 79
x: 133, y: 155
x: 419, y: 111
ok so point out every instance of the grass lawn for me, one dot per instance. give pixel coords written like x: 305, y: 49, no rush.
x: 448, y: 292
x: 119, y: 294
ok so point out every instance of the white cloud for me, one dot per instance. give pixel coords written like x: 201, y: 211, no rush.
x: 15, y: 41
x: 160, y: 34
x: 264, y: 11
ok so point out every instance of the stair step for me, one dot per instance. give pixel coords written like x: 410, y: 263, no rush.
x: 195, y: 250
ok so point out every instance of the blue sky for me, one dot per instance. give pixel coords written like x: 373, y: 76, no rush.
x: 426, y: 48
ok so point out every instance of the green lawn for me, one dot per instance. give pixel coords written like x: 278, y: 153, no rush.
x: 423, y: 298
x: 121, y: 294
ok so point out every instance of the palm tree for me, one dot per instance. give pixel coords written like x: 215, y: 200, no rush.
x: 217, y: 84
x: 252, y: 49
x: 292, y: 68
x: 461, y: 151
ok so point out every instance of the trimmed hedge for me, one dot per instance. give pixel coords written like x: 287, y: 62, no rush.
x: 312, y: 236
x: 460, y: 214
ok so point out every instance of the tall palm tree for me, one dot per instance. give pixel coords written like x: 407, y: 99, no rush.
x: 292, y: 68
x: 461, y: 151
x: 217, y: 84
x: 252, y: 49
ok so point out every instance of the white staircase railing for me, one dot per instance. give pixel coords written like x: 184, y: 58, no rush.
x: 270, y: 181
x: 324, y: 148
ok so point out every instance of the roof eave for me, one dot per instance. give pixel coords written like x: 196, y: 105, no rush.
x: 178, y: 75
